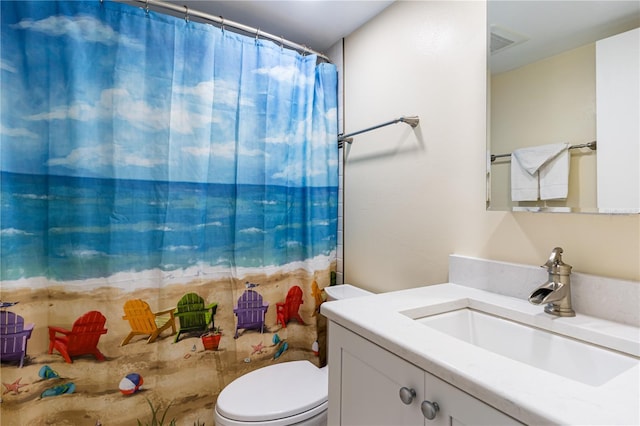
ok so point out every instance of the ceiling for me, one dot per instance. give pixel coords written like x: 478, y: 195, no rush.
x: 549, y: 27
x: 317, y: 24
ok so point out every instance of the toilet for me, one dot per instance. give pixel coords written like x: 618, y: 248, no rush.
x: 288, y: 393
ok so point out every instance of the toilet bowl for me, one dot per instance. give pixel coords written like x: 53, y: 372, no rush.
x: 284, y: 394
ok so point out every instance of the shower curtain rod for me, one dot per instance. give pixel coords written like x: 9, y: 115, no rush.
x: 591, y: 145
x: 411, y: 121
x: 225, y: 22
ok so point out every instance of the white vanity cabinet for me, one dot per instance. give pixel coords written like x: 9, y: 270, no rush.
x: 365, y: 383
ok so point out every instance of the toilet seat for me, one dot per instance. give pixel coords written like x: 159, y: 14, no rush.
x: 279, y: 394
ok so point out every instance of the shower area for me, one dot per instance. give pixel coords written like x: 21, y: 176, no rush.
x: 169, y: 211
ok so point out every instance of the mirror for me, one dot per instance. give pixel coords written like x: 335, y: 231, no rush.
x: 541, y: 91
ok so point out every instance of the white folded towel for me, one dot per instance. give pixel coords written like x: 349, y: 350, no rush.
x: 524, y: 186
x: 554, y: 177
x: 535, y: 168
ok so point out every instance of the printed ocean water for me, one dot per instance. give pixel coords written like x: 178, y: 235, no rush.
x: 67, y: 228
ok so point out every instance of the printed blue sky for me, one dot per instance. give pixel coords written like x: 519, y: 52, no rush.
x: 87, y: 98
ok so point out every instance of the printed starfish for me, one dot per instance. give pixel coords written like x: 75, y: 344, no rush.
x: 257, y: 348
x: 14, y: 387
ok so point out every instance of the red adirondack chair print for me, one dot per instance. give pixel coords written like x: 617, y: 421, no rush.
x: 82, y: 339
x: 13, y: 337
x: 289, y: 308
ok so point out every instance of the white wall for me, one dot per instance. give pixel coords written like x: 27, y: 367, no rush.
x: 414, y: 196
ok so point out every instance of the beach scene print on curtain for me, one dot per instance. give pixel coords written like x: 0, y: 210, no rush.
x: 168, y: 218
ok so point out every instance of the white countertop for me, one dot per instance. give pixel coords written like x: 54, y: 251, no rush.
x: 531, y: 395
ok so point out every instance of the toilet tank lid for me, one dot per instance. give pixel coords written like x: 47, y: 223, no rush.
x: 274, y: 392
x: 344, y: 291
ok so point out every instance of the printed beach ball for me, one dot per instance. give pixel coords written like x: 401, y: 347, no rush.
x: 130, y: 383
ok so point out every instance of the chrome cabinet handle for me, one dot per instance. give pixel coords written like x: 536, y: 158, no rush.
x: 429, y: 409
x: 407, y: 395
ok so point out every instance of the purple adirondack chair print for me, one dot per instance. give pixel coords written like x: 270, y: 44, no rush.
x: 250, y: 312
x: 14, y: 335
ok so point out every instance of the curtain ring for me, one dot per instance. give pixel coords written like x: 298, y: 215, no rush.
x: 222, y: 23
x: 281, y: 42
x: 186, y: 13
x: 146, y: 6
x: 257, y: 34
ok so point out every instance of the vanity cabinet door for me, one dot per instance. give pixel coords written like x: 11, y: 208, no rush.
x: 365, y: 383
x: 457, y: 408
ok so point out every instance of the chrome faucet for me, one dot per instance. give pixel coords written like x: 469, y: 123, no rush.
x: 556, y: 292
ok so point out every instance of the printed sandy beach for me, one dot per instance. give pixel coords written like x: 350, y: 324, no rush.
x: 182, y: 376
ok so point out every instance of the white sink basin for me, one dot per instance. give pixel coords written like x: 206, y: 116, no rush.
x: 573, y: 359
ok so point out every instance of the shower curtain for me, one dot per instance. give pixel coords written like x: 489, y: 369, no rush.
x: 165, y: 184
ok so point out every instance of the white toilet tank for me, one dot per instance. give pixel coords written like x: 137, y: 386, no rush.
x: 289, y: 393
x: 344, y: 291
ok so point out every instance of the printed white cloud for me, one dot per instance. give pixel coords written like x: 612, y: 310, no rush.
x: 17, y: 132
x: 10, y: 232
x: 252, y: 231
x: 141, y: 114
x: 139, y: 161
x: 204, y: 90
x: 120, y: 103
x: 103, y: 155
x: 320, y: 135
x: 323, y: 138
x: 319, y: 171
x: 79, y: 27
x: 80, y: 111
x: 246, y: 152
x: 57, y: 114
x: 224, y: 150
x: 97, y: 155
x: 305, y: 131
x: 276, y: 140
x: 291, y: 172
x: 127, y: 158
x: 197, y: 151
x: 289, y: 74
x: 221, y: 92
x: 7, y: 67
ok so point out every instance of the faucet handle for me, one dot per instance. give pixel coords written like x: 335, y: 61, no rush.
x: 555, y: 259
x: 555, y: 265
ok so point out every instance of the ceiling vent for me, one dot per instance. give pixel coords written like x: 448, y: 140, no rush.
x: 502, y: 39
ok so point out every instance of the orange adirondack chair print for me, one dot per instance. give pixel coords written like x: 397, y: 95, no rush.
x: 317, y: 296
x: 82, y: 339
x: 289, y: 308
x: 143, y: 322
